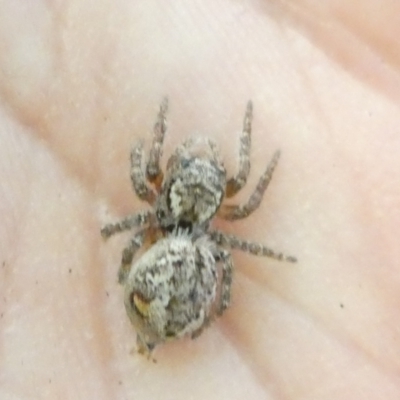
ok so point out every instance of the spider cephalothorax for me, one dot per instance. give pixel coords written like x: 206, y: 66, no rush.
x: 193, y: 186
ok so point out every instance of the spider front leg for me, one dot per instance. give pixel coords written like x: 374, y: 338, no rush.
x: 237, y: 182
x: 126, y: 224
x: 153, y: 170
x: 225, y: 258
x: 257, y: 249
x: 143, y: 191
x: 128, y: 253
x: 233, y: 212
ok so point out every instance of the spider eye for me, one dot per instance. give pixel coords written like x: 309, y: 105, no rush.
x: 160, y: 214
x: 170, y: 228
x: 185, y: 225
x: 185, y: 163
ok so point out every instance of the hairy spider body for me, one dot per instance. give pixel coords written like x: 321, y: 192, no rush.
x: 171, y: 290
x: 193, y: 187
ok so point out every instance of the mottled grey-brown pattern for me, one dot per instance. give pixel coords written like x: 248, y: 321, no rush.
x: 172, y: 289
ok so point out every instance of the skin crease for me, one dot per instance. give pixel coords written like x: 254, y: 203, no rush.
x: 81, y: 81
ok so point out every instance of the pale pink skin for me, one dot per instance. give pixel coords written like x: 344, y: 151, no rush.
x: 81, y: 81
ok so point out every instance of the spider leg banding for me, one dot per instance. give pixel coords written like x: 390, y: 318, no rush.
x: 183, y: 277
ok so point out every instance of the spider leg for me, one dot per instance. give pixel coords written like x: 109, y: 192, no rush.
x: 127, y: 223
x: 137, y: 176
x: 214, y: 151
x: 257, y: 249
x: 226, y: 282
x: 153, y: 170
x: 128, y: 253
x: 182, y: 148
x: 237, y: 182
x: 145, y: 348
x: 233, y: 212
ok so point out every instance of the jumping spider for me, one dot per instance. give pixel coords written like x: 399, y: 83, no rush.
x: 173, y: 288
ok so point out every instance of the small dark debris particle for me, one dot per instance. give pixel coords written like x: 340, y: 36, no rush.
x: 107, y: 294
x: 70, y: 270
x: 1, y: 315
x: 4, y: 264
x: 49, y: 380
x: 119, y: 382
x: 341, y: 305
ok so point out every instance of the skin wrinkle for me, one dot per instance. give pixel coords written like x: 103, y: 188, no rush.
x: 378, y: 41
x: 345, y: 340
x: 233, y: 333
x: 325, y: 32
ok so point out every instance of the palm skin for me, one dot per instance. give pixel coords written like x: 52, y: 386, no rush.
x: 80, y: 83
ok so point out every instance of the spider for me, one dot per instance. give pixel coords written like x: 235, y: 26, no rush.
x: 172, y: 288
